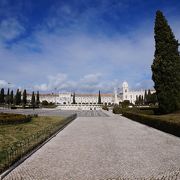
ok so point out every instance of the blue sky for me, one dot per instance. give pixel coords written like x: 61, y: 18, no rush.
x: 81, y: 46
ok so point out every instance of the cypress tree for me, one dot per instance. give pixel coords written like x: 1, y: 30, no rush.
x: 74, y: 98
x: 149, y: 96
x: 33, y: 100
x: 137, y: 100
x: 145, y: 97
x: 11, y: 97
x: 8, y: 97
x: 2, y: 96
x: 37, y: 98
x: 99, y: 97
x: 166, y: 66
x: 24, y: 97
x: 16, y: 97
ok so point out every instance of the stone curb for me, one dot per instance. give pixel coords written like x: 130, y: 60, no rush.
x: 20, y: 161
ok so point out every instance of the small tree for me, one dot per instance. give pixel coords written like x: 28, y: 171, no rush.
x: 44, y: 103
x: 2, y: 100
x: 74, y: 98
x: 125, y: 103
x: 18, y: 97
x: 99, y: 97
x: 11, y: 97
x: 37, y: 99
x: 141, y: 100
x: 33, y: 100
x: 145, y: 97
x: 137, y: 101
x: 24, y: 97
x: 149, y: 96
x: 8, y: 97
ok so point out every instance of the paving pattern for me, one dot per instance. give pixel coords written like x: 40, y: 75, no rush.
x: 104, y: 148
x: 57, y: 112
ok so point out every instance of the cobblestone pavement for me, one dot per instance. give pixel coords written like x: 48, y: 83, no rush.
x: 57, y: 112
x: 104, y: 148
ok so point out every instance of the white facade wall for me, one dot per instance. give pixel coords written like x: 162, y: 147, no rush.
x: 131, y: 95
x: 84, y: 99
x: 67, y: 98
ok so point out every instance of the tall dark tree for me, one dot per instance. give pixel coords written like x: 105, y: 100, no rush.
x: 137, y: 100
x: 74, y: 98
x: 17, y: 97
x: 141, y: 99
x: 24, y: 97
x: 153, y: 99
x: 99, y: 97
x: 8, y: 97
x: 37, y: 98
x: 33, y: 100
x: 149, y: 96
x: 145, y: 97
x: 166, y: 66
x: 2, y: 99
x: 11, y: 97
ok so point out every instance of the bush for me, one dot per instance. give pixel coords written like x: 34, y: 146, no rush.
x: 6, y: 118
x: 13, y: 107
x: 117, y: 110
x: 105, y: 108
x: 45, y: 103
x: 158, y: 122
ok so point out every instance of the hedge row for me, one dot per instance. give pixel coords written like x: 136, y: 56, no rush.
x: 169, y: 126
x: 6, y: 118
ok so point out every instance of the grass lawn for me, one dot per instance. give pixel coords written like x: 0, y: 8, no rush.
x: 173, y: 117
x: 12, y: 134
x: 169, y: 123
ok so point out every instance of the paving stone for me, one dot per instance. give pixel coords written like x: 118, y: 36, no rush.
x: 104, y: 148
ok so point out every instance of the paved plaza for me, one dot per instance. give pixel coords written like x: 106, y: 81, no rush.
x: 103, y: 147
x: 56, y: 112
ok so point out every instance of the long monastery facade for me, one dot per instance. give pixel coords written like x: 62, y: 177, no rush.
x: 85, y: 99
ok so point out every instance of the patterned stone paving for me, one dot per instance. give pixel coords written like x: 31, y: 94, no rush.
x: 104, y: 148
x: 57, y: 112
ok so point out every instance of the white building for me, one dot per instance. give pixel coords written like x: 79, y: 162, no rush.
x: 67, y: 98
x: 131, y: 95
x: 92, y: 99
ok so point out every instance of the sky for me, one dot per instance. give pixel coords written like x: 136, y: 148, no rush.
x: 80, y: 45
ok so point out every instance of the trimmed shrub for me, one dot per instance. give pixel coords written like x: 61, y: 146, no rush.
x: 6, y: 118
x: 169, y: 126
x: 105, y: 108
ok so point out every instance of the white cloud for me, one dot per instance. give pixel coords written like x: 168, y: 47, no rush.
x: 91, y: 78
x: 5, y: 84
x: 89, y: 83
x: 79, y: 61
x: 10, y: 28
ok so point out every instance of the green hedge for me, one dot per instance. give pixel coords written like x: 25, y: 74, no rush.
x: 6, y: 118
x: 169, y: 126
